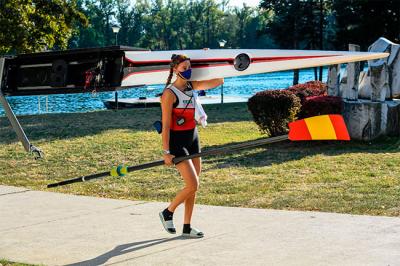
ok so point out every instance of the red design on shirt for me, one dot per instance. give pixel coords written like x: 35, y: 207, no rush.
x: 187, y: 115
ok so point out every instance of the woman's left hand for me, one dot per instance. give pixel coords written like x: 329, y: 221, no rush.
x: 168, y: 159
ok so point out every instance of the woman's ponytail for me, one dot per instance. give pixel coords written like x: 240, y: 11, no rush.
x: 171, y: 72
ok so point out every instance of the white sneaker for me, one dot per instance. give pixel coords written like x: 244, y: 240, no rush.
x: 194, y: 233
x: 168, y: 225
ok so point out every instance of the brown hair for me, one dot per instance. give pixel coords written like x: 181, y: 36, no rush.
x: 176, y: 59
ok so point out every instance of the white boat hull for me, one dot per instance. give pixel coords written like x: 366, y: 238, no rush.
x: 209, y: 64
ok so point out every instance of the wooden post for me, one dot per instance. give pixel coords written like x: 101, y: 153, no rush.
x: 333, y: 80
x: 353, y: 73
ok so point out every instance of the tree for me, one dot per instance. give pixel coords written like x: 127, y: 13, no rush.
x: 124, y: 17
x: 92, y: 34
x: 286, y: 25
x: 364, y: 21
x: 297, y: 24
x: 244, y: 17
x: 138, y: 32
x: 35, y: 25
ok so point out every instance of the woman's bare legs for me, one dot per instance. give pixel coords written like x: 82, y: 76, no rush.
x: 189, y: 202
x: 189, y: 175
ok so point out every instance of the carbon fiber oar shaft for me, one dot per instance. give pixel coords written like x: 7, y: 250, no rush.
x: 233, y: 147
x: 176, y: 160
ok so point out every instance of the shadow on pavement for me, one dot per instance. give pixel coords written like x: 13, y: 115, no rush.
x: 123, y: 249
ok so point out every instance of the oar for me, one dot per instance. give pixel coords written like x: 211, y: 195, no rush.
x: 325, y: 127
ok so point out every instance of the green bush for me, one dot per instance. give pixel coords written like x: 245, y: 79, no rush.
x: 272, y: 110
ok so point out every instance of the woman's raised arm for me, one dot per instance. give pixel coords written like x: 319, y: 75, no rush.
x: 207, y: 84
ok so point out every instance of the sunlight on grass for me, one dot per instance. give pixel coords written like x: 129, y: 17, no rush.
x: 9, y: 263
x: 352, y: 177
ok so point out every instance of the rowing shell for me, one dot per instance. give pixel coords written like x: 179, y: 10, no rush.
x: 152, y: 67
x: 115, y: 67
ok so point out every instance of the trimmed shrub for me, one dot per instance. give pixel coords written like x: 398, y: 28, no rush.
x: 272, y: 110
x: 308, y: 89
x: 321, y: 105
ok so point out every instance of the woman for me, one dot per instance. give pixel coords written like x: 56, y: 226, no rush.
x: 180, y: 138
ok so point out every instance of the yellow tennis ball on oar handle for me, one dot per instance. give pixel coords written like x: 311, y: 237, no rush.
x: 113, y: 171
x: 119, y: 170
x: 123, y: 170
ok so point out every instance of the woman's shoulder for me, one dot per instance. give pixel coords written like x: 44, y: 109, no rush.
x: 168, y: 94
x: 167, y: 91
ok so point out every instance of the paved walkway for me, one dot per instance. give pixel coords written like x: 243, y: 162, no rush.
x: 58, y: 229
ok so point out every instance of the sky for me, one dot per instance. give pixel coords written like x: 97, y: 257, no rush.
x: 239, y: 3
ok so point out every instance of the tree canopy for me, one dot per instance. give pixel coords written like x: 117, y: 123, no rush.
x: 35, y: 25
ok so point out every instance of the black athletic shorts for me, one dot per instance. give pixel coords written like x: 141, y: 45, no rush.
x: 184, y: 142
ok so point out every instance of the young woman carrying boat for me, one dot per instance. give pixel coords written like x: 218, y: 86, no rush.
x: 180, y: 138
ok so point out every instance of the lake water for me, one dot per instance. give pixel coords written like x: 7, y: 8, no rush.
x: 84, y: 102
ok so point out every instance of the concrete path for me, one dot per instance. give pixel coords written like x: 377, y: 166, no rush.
x: 58, y: 229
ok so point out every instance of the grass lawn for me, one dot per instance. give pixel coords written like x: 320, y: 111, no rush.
x: 347, y: 177
x: 9, y: 263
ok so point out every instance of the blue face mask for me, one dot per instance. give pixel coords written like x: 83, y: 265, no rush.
x: 186, y: 74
